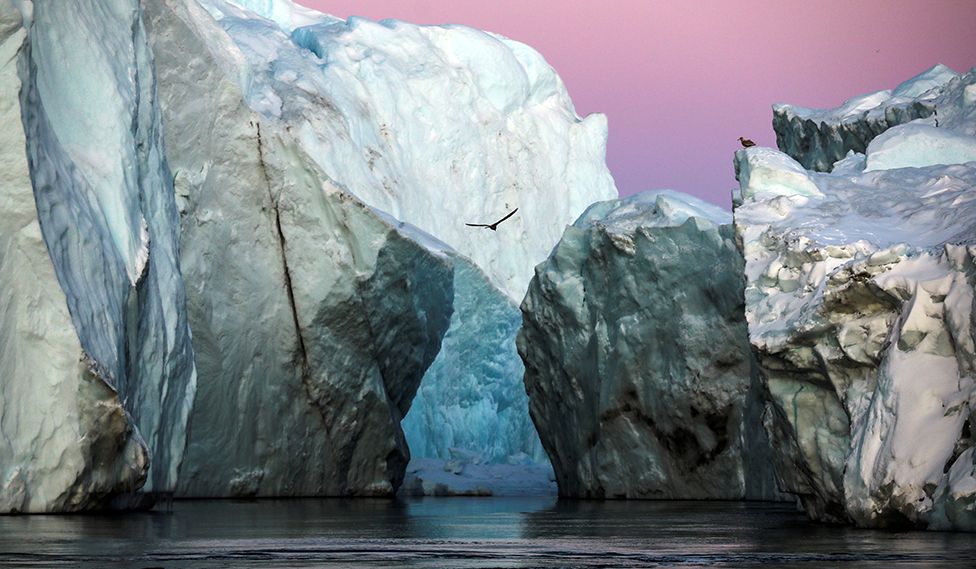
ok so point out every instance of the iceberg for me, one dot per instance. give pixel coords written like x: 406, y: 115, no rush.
x: 97, y: 366
x: 637, y: 362
x: 860, y: 305
x: 472, y: 397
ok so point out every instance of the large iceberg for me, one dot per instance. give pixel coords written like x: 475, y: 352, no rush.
x: 96, y: 364
x: 314, y: 317
x: 860, y: 303
x: 437, y: 126
x: 637, y: 363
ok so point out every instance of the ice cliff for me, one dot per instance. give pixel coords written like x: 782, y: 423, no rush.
x: 95, y: 358
x: 637, y: 361
x: 860, y: 304
x: 313, y: 316
x: 437, y: 126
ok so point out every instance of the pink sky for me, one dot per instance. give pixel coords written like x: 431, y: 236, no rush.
x: 679, y: 81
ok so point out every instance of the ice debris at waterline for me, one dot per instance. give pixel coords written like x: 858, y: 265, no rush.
x: 437, y: 125
x: 637, y: 362
x: 466, y: 474
x: 311, y: 344
x: 860, y: 303
x: 96, y: 365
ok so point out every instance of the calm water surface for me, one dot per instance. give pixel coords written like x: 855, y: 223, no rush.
x: 466, y: 532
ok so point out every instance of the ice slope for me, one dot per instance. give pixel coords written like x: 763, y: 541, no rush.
x: 313, y: 317
x: 435, y: 125
x: 817, y: 138
x: 97, y: 364
x: 860, y: 305
x: 637, y: 361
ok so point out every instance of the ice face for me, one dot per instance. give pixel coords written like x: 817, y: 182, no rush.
x: 472, y: 397
x: 636, y: 358
x: 85, y: 92
x: 314, y: 316
x: 859, y: 300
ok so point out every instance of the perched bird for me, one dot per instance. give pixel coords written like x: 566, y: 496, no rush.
x: 493, y: 226
x: 746, y: 143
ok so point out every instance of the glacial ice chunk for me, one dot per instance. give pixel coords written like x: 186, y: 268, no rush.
x: 817, y: 138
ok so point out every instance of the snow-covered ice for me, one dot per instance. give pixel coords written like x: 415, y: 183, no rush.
x: 860, y: 305
x: 435, y: 125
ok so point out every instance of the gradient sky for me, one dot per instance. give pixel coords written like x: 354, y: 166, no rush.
x: 680, y: 81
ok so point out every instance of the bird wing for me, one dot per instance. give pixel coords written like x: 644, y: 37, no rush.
x: 506, y: 217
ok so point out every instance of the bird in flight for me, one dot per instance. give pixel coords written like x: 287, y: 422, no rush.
x: 746, y: 143
x: 492, y: 226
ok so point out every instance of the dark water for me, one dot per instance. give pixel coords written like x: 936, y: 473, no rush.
x: 466, y: 532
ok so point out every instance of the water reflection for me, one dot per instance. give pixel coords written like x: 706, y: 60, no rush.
x: 465, y: 532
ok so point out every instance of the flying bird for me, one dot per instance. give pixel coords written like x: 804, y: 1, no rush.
x: 746, y: 143
x: 493, y: 226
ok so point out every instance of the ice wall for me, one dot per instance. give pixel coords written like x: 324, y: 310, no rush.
x: 472, y: 398
x: 314, y: 317
x: 113, y: 385
x: 637, y: 362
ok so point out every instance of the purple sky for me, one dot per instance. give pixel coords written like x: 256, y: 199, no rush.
x: 680, y: 80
